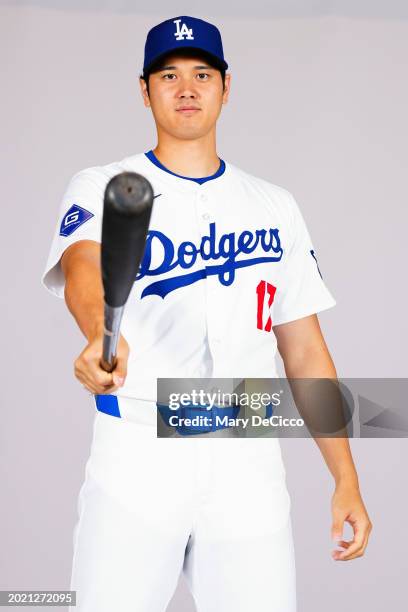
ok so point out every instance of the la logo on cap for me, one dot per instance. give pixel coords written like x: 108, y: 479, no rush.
x: 183, y: 32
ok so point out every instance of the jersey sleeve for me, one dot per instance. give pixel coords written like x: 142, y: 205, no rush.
x: 79, y: 218
x: 302, y: 290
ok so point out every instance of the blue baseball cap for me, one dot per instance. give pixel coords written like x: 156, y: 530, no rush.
x: 181, y: 33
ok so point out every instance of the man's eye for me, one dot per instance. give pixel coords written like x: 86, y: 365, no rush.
x: 169, y: 74
x: 202, y: 74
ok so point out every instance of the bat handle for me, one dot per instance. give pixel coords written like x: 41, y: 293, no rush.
x: 112, y: 320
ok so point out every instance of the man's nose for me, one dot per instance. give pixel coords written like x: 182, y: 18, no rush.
x: 187, y: 89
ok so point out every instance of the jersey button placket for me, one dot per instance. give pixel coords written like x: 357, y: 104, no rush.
x: 214, y: 314
x: 203, y: 211
x: 205, y: 218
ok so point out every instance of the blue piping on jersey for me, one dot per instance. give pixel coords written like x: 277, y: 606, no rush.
x: 150, y: 155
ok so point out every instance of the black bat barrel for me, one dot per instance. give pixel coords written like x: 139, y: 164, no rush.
x: 126, y: 214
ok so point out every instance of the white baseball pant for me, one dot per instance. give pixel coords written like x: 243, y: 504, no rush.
x: 149, y: 508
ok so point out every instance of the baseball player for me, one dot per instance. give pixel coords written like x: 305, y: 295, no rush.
x: 229, y: 275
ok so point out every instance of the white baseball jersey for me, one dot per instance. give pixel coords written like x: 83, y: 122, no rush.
x: 227, y: 257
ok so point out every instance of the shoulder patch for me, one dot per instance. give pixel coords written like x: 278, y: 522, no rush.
x: 73, y: 218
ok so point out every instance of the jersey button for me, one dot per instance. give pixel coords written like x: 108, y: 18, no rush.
x: 203, y: 197
x: 206, y: 216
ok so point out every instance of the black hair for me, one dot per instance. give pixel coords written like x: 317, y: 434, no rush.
x: 188, y: 52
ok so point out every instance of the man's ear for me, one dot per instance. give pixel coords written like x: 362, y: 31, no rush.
x: 144, y: 92
x: 227, y: 87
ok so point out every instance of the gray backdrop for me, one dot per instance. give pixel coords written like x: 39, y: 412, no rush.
x: 318, y: 105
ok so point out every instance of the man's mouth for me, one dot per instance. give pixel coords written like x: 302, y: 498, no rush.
x: 187, y: 110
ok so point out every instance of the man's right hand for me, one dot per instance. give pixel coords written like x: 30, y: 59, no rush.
x: 89, y: 372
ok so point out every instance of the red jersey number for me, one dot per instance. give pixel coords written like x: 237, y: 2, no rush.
x: 264, y: 290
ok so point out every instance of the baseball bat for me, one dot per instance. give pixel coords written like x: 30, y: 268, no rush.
x: 127, y: 208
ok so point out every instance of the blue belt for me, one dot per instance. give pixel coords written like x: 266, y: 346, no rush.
x: 109, y: 405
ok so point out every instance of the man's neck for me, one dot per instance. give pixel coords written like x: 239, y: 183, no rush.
x: 192, y: 158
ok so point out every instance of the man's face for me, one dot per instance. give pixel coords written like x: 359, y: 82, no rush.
x: 186, y: 96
